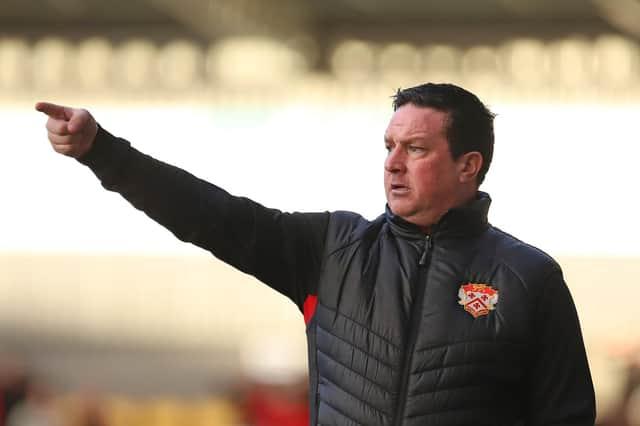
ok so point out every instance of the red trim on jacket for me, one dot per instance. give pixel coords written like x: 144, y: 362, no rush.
x: 309, y: 307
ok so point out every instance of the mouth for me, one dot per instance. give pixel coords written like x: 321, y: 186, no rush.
x: 398, y: 189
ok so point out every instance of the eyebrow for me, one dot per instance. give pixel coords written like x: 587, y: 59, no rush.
x: 407, y: 141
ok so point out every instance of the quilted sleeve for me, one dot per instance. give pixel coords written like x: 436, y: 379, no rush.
x: 560, y: 387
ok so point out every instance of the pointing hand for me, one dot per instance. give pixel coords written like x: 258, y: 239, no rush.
x: 71, y: 131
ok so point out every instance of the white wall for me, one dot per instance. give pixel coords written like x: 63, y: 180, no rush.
x: 564, y: 175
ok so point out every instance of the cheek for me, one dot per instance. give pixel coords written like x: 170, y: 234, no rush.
x: 425, y: 173
x: 432, y: 177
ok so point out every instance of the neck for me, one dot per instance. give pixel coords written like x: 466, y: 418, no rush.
x: 464, y: 199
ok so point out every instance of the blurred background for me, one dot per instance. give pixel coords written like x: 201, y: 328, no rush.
x: 106, y: 319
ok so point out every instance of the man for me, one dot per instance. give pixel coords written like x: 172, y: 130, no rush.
x: 427, y: 315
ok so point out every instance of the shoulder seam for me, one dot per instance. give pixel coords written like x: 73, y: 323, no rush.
x: 544, y: 254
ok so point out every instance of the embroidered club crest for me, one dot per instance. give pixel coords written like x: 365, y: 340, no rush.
x: 477, y: 299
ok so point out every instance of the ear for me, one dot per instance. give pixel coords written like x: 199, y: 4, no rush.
x: 469, y: 165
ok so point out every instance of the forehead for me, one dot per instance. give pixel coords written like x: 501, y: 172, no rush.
x: 411, y: 120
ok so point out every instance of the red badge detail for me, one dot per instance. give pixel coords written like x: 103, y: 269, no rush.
x: 477, y: 299
x: 309, y: 307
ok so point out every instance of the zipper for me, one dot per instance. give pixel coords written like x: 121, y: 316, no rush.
x: 416, y: 312
x: 425, y: 251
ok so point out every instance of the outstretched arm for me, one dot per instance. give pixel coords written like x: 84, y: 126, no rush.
x: 283, y: 250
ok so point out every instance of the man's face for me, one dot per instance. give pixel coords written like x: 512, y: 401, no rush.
x: 421, y: 179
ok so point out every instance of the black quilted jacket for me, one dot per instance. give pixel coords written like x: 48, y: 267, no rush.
x: 467, y: 326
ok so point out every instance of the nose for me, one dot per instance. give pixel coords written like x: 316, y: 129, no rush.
x: 395, y: 161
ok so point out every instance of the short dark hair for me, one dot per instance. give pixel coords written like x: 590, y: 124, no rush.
x: 469, y: 125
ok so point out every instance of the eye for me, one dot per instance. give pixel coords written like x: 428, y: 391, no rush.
x: 415, y: 149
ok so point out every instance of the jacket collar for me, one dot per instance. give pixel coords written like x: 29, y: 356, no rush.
x: 459, y: 222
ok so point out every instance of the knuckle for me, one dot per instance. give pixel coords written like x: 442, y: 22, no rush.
x: 65, y: 150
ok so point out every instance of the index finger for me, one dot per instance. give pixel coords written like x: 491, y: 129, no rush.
x: 53, y: 110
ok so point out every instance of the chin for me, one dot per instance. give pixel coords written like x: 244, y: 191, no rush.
x: 399, y: 210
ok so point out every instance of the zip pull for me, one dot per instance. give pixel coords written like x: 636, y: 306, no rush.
x: 425, y: 251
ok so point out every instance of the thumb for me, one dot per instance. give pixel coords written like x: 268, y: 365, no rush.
x: 78, y: 121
